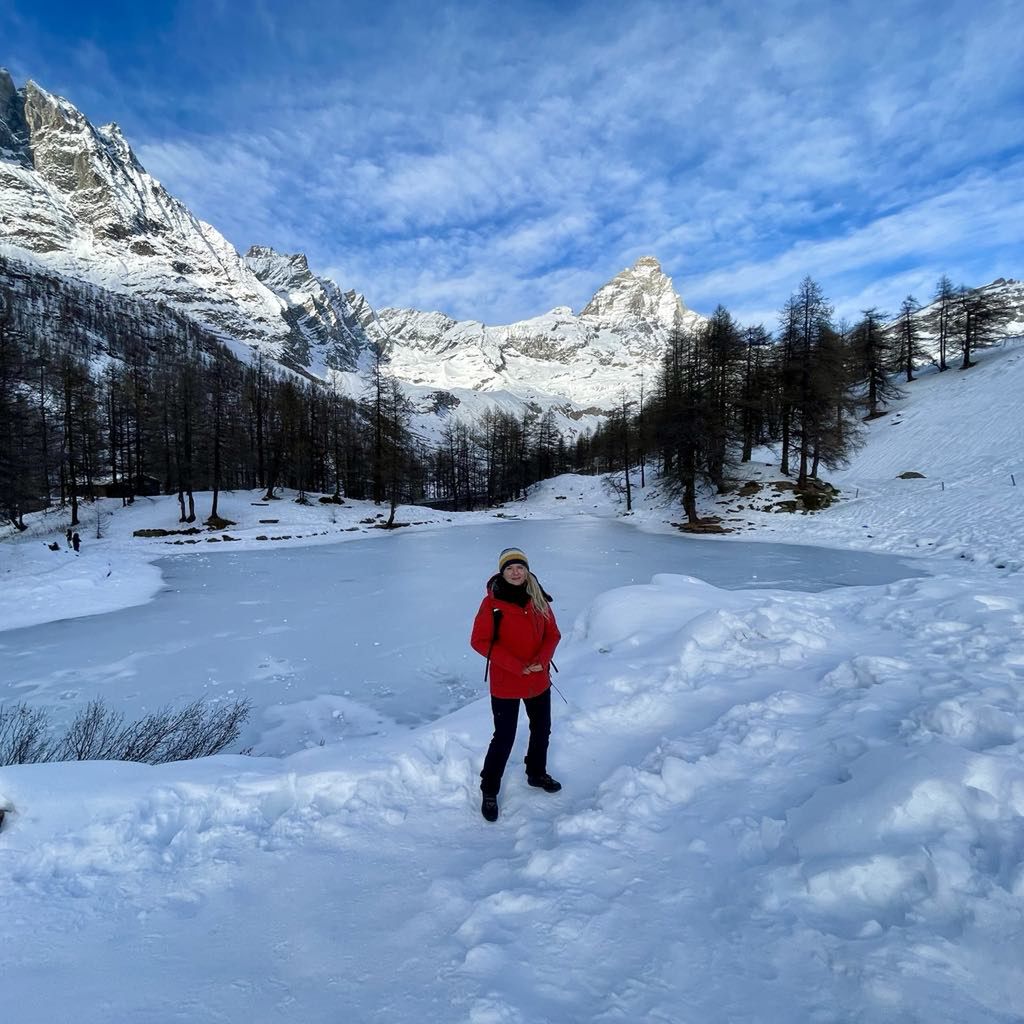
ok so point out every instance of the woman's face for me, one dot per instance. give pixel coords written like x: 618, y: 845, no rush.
x: 515, y: 574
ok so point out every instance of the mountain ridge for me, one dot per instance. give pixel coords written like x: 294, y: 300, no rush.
x: 79, y: 203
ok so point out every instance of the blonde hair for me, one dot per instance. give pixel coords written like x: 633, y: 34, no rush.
x: 536, y: 592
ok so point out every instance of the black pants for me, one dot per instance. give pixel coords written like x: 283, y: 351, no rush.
x: 506, y: 718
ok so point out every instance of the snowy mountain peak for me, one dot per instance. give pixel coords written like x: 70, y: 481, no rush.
x: 76, y: 200
x: 288, y: 271
x: 329, y: 327
x: 642, y: 291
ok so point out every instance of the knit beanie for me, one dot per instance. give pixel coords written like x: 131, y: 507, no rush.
x: 511, y: 556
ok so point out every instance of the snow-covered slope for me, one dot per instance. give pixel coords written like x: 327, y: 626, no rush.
x: 1004, y: 300
x: 329, y: 326
x: 963, y: 431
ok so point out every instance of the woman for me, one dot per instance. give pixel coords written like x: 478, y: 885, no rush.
x: 515, y: 630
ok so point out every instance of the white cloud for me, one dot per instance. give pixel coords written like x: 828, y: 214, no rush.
x: 476, y: 161
x: 979, y: 216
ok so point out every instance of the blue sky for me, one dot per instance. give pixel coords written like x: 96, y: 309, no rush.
x: 493, y: 160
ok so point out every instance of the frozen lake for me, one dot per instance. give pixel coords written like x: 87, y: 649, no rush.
x: 348, y: 639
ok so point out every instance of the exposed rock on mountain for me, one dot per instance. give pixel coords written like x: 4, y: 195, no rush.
x: 644, y: 292
x: 76, y: 198
x: 329, y: 327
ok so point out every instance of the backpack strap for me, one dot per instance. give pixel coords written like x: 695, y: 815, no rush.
x: 496, y: 624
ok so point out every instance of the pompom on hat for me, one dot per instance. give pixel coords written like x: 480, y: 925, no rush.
x: 511, y: 556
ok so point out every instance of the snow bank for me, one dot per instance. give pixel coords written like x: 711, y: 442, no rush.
x: 778, y: 807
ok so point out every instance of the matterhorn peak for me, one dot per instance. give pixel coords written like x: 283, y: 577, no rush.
x: 647, y: 263
x: 642, y: 291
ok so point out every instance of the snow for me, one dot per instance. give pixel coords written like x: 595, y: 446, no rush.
x: 783, y: 801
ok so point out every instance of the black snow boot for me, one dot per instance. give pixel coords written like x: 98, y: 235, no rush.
x: 545, y: 782
x: 489, y: 807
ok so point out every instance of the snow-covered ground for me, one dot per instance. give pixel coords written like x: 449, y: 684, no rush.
x: 779, y: 806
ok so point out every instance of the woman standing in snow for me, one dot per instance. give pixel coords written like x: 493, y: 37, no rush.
x: 515, y: 630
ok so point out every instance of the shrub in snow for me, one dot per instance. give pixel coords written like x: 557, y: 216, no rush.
x: 99, y: 733
x: 23, y: 735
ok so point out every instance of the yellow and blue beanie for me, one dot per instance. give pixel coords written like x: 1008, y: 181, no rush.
x: 511, y: 556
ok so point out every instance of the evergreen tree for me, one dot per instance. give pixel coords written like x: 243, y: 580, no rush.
x: 723, y: 342
x: 681, y: 413
x: 755, y: 391
x: 873, y: 360
x: 908, y: 333
x: 943, y: 316
x: 978, y: 318
x: 397, y: 457
x: 807, y: 390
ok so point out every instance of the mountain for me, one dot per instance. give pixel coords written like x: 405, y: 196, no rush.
x: 329, y: 327
x: 76, y: 201
x: 589, y: 358
x: 644, y: 292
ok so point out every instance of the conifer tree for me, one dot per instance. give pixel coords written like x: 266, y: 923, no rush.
x: 944, y: 301
x: 908, y: 333
x: 873, y: 360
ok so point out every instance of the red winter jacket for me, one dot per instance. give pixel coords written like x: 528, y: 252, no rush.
x: 525, y: 637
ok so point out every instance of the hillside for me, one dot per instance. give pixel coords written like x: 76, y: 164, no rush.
x: 963, y: 431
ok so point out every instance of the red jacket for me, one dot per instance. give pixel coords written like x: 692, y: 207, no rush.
x: 525, y: 637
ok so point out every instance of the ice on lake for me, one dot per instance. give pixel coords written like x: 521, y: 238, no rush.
x: 346, y: 640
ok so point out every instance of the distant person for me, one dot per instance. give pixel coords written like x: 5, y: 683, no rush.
x: 68, y: 535
x: 76, y: 542
x: 515, y: 630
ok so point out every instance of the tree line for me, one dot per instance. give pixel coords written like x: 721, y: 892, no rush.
x: 107, y: 395
x: 102, y: 394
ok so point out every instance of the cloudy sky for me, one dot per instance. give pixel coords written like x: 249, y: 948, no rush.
x: 493, y: 160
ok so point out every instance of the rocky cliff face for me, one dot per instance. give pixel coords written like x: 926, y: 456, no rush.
x: 643, y: 292
x: 76, y: 198
x: 330, y: 328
